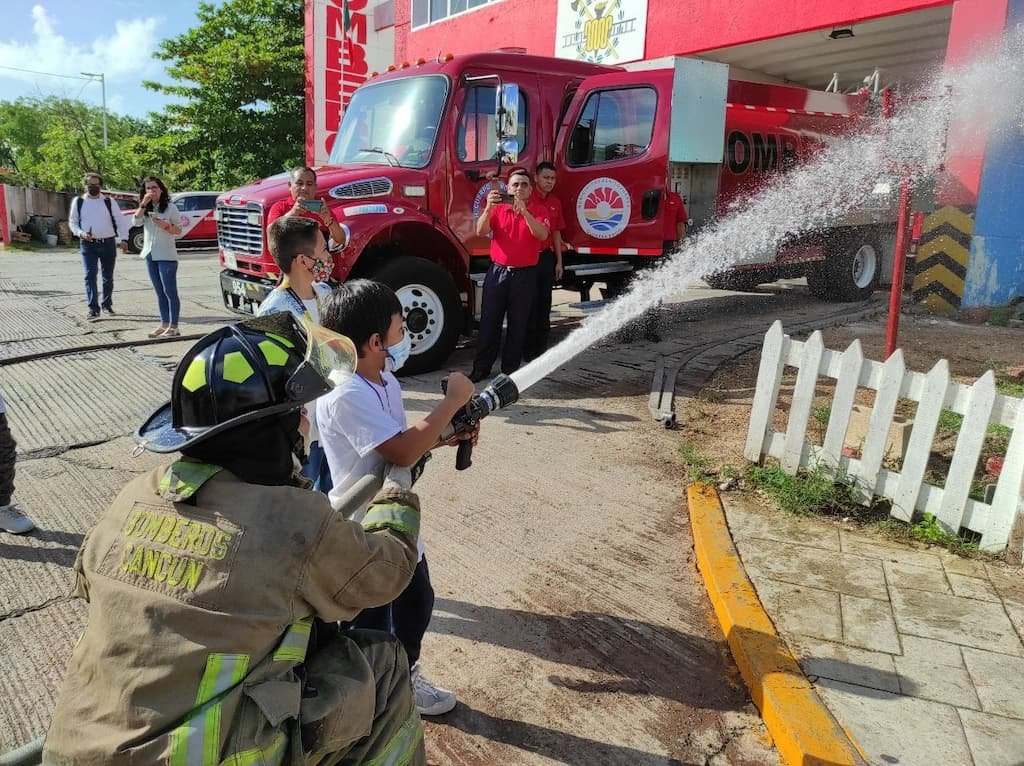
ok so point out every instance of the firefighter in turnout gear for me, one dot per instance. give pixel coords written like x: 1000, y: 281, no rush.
x: 215, y: 582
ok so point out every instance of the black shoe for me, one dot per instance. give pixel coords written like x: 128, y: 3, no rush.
x: 109, y: 311
x: 477, y: 375
x: 92, y: 316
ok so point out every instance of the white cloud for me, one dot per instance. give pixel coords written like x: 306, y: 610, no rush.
x: 122, y: 56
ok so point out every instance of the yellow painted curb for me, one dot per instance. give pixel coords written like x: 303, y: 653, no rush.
x: 804, y: 731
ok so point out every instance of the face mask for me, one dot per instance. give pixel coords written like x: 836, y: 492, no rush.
x: 93, y: 190
x: 398, y: 354
x: 320, y: 270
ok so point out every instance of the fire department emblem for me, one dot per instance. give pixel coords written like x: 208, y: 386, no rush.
x: 603, y: 208
x: 599, y: 25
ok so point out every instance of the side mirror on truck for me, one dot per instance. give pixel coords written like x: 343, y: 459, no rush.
x: 506, y: 120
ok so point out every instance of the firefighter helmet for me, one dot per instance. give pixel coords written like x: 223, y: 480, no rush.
x: 253, y: 369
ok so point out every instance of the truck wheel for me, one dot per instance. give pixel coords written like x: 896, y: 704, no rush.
x: 740, y: 281
x: 851, y: 269
x: 136, y: 237
x: 431, y: 307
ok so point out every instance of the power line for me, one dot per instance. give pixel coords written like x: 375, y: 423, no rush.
x: 48, y: 74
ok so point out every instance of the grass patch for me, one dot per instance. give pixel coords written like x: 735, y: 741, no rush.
x: 928, y: 530
x: 950, y: 421
x: 821, y: 415
x: 1010, y: 388
x: 809, y: 492
x: 698, y: 466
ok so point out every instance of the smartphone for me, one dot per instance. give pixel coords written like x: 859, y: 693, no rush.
x: 313, y: 205
x: 506, y: 197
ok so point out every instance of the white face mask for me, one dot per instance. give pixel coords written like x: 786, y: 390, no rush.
x: 398, y: 354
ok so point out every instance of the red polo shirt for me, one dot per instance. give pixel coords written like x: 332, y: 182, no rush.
x: 513, y: 244
x: 553, y: 205
x: 675, y: 214
x: 281, y: 207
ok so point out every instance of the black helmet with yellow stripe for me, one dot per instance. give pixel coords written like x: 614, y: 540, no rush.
x: 243, y: 372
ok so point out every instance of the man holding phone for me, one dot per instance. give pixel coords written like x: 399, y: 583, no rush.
x: 305, y: 204
x: 519, y: 226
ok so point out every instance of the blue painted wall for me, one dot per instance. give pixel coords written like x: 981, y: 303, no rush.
x: 995, y: 272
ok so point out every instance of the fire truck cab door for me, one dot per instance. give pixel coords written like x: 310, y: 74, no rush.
x: 612, y: 157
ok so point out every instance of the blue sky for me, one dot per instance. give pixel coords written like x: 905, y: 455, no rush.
x: 116, y: 37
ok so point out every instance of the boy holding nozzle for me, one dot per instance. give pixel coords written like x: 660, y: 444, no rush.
x: 363, y: 426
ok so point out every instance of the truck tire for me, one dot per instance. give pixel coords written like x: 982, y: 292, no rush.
x: 431, y: 307
x: 740, y: 281
x: 136, y: 238
x: 850, y: 272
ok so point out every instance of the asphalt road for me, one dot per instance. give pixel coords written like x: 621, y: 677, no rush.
x: 570, y: 618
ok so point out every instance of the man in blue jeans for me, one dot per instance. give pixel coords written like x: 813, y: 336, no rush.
x: 97, y: 222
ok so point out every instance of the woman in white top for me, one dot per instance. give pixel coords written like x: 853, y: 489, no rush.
x: 161, y: 223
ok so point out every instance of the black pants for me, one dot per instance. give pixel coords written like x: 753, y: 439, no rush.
x: 506, y: 291
x: 540, y: 318
x: 408, y: 616
x: 8, y: 454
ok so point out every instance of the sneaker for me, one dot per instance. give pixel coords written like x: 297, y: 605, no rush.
x: 92, y: 316
x: 13, y: 520
x: 171, y: 332
x: 157, y: 332
x: 430, y: 699
x: 109, y: 311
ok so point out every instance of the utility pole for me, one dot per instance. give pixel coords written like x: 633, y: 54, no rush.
x: 103, y: 91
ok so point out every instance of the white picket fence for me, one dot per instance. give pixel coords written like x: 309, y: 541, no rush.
x: 979, y: 404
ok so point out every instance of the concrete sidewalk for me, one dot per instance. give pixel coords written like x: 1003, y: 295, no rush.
x: 917, y: 653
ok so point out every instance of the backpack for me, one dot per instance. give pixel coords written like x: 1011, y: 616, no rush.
x: 78, y: 211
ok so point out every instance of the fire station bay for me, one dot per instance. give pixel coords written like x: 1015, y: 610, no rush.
x: 970, y: 241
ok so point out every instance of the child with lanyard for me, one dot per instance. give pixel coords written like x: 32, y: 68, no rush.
x: 299, y: 251
x: 363, y: 425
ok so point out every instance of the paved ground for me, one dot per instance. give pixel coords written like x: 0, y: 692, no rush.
x: 916, y: 651
x: 569, y: 618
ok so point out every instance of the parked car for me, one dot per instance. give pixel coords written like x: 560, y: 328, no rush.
x: 198, y: 228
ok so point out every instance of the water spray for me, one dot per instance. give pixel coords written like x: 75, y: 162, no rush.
x: 500, y: 392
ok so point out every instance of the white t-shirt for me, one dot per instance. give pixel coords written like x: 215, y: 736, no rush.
x: 354, y: 419
x: 313, y: 307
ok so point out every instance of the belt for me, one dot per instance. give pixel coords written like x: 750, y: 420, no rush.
x: 98, y: 240
x: 514, y: 268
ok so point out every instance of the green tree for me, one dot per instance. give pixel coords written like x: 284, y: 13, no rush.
x: 240, y: 74
x: 51, y: 142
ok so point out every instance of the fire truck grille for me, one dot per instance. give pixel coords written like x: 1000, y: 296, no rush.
x: 368, y: 187
x: 236, y: 230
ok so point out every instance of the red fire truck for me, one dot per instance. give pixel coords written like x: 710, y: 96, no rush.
x: 418, y: 146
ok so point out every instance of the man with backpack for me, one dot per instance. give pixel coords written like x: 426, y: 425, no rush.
x: 97, y: 222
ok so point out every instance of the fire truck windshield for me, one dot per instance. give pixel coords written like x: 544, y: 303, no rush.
x: 394, y: 122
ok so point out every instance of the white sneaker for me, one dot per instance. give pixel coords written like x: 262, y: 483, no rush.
x: 430, y: 699
x: 13, y: 520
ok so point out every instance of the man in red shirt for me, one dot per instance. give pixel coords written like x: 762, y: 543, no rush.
x: 518, y: 228
x: 549, y: 266
x: 303, y: 188
x: 675, y: 222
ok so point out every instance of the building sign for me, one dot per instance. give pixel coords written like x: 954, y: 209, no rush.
x: 601, y: 31
x: 338, y: 62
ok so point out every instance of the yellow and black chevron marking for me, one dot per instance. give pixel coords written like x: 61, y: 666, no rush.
x: 942, y: 257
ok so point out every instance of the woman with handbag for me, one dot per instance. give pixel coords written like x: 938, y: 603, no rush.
x: 161, y: 223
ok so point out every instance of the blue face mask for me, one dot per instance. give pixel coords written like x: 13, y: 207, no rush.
x: 398, y: 354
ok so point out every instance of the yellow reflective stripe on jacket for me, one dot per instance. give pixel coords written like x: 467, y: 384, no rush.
x: 197, y: 741
x: 184, y: 478
x: 293, y: 646
x: 400, y: 518
x: 400, y: 750
x: 269, y: 756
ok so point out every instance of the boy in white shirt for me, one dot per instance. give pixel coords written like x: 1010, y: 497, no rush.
x: 363, y: 425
